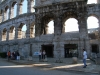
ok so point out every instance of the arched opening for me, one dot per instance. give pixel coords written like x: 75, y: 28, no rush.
x: 33, y: 6
x: 32, y: 31
x: 7, y: 13
x: 92, y: 22
x: 71, y: 25
x: 22, y: 31
x: 50, y: 29
x: 4, y: 34
x: 92, y: 2
x: 47, y: 24
x: 21, y: 7
x: 14, y: 10
x: 24, y: 28
x: 92, y: 25
x: 12, y: 33
x: 25, y: 6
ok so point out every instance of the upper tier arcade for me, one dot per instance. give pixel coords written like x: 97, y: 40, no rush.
x: 49, y: 2
x: 12, y: 8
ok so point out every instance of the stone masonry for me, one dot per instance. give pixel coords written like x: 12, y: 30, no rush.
x: 36, y: 20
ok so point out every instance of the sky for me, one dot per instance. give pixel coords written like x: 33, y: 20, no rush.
x: 92, y: 22
x: 92, y: 1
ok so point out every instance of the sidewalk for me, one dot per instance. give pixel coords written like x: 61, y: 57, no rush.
x: 66, y: 65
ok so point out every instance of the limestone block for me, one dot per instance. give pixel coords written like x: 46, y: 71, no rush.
x: 75, y: 60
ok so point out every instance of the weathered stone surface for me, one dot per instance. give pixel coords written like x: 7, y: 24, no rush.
x: 36, y: 22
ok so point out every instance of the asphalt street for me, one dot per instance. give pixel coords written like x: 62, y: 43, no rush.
x: 8, y: 68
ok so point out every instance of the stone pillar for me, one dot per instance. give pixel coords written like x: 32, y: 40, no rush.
x: 19, y: 33
x: 19, y: 9
x: 16, y: 33
x: 5, y: 15
x: 63, y: 29
x: 46, y: 29
x: 0, y: 35
x: 31, y: 32
x: 30, y: 6
x: 58, y: 27
x: 28, y: 30
x: 84, y: 40
x: 11, y: 35
x: 11, y: 12
x: 0, y: 17
x: 37, y: 31
x: 99, y: 35
x: 37, y: 26
x: 57, y: 33
x: 7, y: 38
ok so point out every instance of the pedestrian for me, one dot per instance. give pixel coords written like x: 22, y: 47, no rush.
x: 14, y: 55
x: 9, y: 55
x: 18, y: 55
x: 40, y: 55
x: 84, y: 58
x: 44, y: 53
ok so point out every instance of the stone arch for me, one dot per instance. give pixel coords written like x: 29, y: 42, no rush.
x: 4, y: 34
x: 93, y: 26
x: 20, y: 3
x: 12, y: 33
x: 44, y: 22
x: 66, y: 16
x: 21, y: 34
x: 93, y: 16
x: 71, y: 25
x: 32, y: 3
x: 24, y: 6
x: 51, y: 27
x: 13, y: 3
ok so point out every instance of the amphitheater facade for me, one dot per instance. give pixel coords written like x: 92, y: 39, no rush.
x: 36, y: 38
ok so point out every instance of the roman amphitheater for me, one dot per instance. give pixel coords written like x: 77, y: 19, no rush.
x: 38, y: 35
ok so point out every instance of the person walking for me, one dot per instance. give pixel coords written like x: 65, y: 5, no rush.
x: 84, y: 58
x: 18, y: 55
x: 40, y: 55
x: 44, y: 53
x: 9, y: 55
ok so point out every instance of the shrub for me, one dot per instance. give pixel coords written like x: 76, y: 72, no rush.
x: 3, y: 54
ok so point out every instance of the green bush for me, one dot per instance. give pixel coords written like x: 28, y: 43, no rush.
x: 3, y: 54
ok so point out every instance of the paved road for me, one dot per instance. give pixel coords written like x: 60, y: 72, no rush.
x: 8, y: 68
